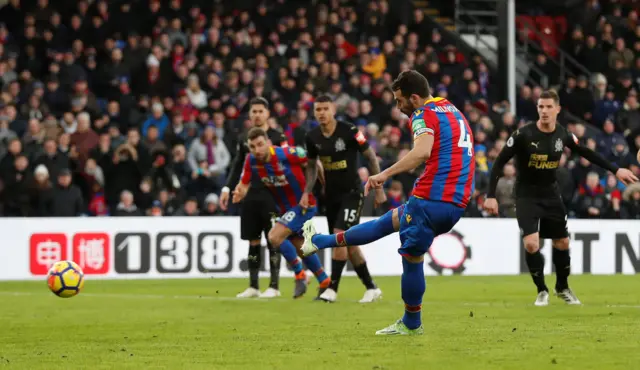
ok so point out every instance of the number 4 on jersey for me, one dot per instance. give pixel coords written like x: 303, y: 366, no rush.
x: 465, y: 138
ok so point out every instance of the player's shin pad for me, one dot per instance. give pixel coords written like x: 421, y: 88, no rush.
x: 413, y: 288
x: 289, y: 252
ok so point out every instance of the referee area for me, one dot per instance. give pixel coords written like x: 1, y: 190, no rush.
x: 470, y: 322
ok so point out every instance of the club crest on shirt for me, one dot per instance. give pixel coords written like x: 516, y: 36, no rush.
x: 559, y: 145
x: 340, y: 145
x: 510, y: 142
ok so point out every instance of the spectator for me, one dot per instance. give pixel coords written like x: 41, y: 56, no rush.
x: 53, y: 160
x: 127, y: 207
x: 67, y: 198
x: 41, y: 192
x: 190, y: 208
x: 157, y: 119
x: 17, y: 202
x: 156, y: 209
x: 196, y: 95
x: 591, y: 201
x: 83, y: 140
x: 211, y: 206
x: 505, y: 191
x: 209, y: 157
x: 631, y: 197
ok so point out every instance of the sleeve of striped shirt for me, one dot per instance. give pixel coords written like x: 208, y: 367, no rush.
x: 245, y: 178
x: 423, y: 122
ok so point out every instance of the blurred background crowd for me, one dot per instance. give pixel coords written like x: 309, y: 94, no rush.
x: 127, y: 108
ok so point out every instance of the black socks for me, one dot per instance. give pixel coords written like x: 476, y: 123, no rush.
x: 562, y: 262
x: 535, y: 262
x: 254, y: 261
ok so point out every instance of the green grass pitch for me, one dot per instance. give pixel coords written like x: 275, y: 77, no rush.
x: 470, y: 323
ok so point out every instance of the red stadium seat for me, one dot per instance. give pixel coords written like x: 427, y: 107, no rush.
x: 525, y: 21
x: 561, y: 27
x: 547, y: 28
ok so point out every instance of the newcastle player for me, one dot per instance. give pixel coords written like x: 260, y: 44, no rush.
x: 537, y: 148
x: 337, y: 144
x: 258, y: 207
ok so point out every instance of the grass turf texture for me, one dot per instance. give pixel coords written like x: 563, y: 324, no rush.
x: 470, y: 323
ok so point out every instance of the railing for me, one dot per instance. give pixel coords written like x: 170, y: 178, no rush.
x: 475, y: 10
x: 564, y: 61
x: 478, y: 29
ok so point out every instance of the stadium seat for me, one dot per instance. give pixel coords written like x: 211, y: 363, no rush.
x: 525, y: 21
x: 561, y: 27
x: 547, y: 28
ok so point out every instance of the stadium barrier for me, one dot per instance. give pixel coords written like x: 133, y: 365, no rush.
x: 205, y: 247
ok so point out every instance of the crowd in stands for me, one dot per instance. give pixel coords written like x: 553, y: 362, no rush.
x: 129, y: 108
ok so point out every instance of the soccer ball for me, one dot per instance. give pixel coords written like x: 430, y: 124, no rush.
x: 65, y: 279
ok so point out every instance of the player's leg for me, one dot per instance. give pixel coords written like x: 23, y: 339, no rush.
x: 422, y: 222
x: 348, y: 217
x: 528, y: 216
x: 278, y: 237
x: 562, y: 262
x: 554, y: 226
x: 314, y: 264
x: 250, y: 230
x: 373, y: 293
x: 362, y: 234
x: 290, y: 223
x: 274, y: 260
x: 339, y: 255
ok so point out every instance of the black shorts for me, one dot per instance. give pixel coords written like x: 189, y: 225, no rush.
x: 546, y: 216
x: 256, y: 216
x: 343, y: 212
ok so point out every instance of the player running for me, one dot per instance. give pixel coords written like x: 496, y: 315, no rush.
x: 338, y: 143
x: 258, y: 208
x: 281, y: 171
x: 442, y: 138
x: 539, y: 207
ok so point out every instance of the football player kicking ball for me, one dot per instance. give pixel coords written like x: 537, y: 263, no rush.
x: 442, y: 138
x: 539, y: 207
x: 337, y: 144
x: 281, y: 171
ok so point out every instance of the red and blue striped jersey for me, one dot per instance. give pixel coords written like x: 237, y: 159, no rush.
x: 282, y: 173
x: 450, y: 170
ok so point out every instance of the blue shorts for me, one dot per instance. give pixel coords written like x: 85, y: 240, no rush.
x: 295, y: 218
x: 423, y: 220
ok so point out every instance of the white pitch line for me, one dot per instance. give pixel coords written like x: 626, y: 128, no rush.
x: 285, y: 300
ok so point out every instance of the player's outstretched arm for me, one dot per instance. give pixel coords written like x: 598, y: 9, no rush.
x: 419, y: 154
x: 623, y: 174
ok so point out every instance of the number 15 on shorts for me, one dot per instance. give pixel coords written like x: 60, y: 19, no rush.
x: 350, y: 215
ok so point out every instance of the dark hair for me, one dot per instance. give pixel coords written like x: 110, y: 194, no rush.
x: 550, y: 94
x: 255, y: 133
x: 323, y: 99
x: 412, y: 82
x: 259, y: 101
